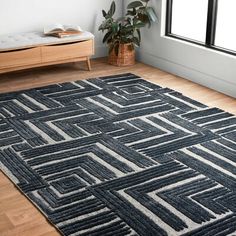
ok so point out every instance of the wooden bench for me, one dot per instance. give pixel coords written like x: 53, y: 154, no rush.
x: 18, y: 52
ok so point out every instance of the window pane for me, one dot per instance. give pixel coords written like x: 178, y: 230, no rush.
x: 189, y: 18
x: 225, y: 28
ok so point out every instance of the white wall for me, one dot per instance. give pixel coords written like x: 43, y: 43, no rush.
x: 32, y: 15
x: 213, y: 69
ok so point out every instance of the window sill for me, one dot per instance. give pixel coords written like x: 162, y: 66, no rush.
x: 201, y: 45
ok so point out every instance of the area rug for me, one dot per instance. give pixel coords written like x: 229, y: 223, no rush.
x: 118, y: 155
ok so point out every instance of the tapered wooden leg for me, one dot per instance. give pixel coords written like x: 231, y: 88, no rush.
x: 89, y: 64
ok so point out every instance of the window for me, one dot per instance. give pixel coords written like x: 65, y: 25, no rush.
x: 209, y: 23
x: 190, y: 23
x: 225, y: 27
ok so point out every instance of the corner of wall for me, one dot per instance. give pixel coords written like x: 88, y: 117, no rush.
x: 100, y: 51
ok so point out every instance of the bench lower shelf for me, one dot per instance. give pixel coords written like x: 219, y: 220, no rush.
x: 45, y: 55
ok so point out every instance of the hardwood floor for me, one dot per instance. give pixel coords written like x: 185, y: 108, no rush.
x: 18, y: 216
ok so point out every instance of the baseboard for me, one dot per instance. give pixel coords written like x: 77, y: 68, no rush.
x: 207, y: 80
x: 100, y: 51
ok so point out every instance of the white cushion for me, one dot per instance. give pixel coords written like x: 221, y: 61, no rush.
x: 27, y: 40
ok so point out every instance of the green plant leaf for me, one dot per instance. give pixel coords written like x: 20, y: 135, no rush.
x: 103, y: 26
x: 139, y: 34
x: 114, y: 27
x: 106, y: 24
x: 100, y: 28
x: 140, y: 25
x: 135, y: 4
x: 129, y: 13
x: 104, y: 13
x: 151, y: 14
x: 128, y: 21
x: 112, y: 10
x: 128, y: 29
x: 136, y: 41
x: 107, y: 36
x: 135, y: 20
x: 132, y: 13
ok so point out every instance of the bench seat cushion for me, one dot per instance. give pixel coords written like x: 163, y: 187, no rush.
x: 34, y: 39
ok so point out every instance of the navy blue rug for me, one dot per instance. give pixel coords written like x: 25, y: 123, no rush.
x: 118, y: 155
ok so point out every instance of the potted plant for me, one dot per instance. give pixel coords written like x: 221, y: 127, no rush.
x: 123, y: 34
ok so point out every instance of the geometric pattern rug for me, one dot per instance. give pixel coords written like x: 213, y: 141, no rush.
x: 118, y: 155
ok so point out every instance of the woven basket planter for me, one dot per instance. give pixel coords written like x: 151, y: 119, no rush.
x: 126, y: 56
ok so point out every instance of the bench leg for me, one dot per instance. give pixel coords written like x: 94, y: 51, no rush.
x: 88, y: 63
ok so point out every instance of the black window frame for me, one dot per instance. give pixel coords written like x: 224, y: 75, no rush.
x: 210, y: 27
